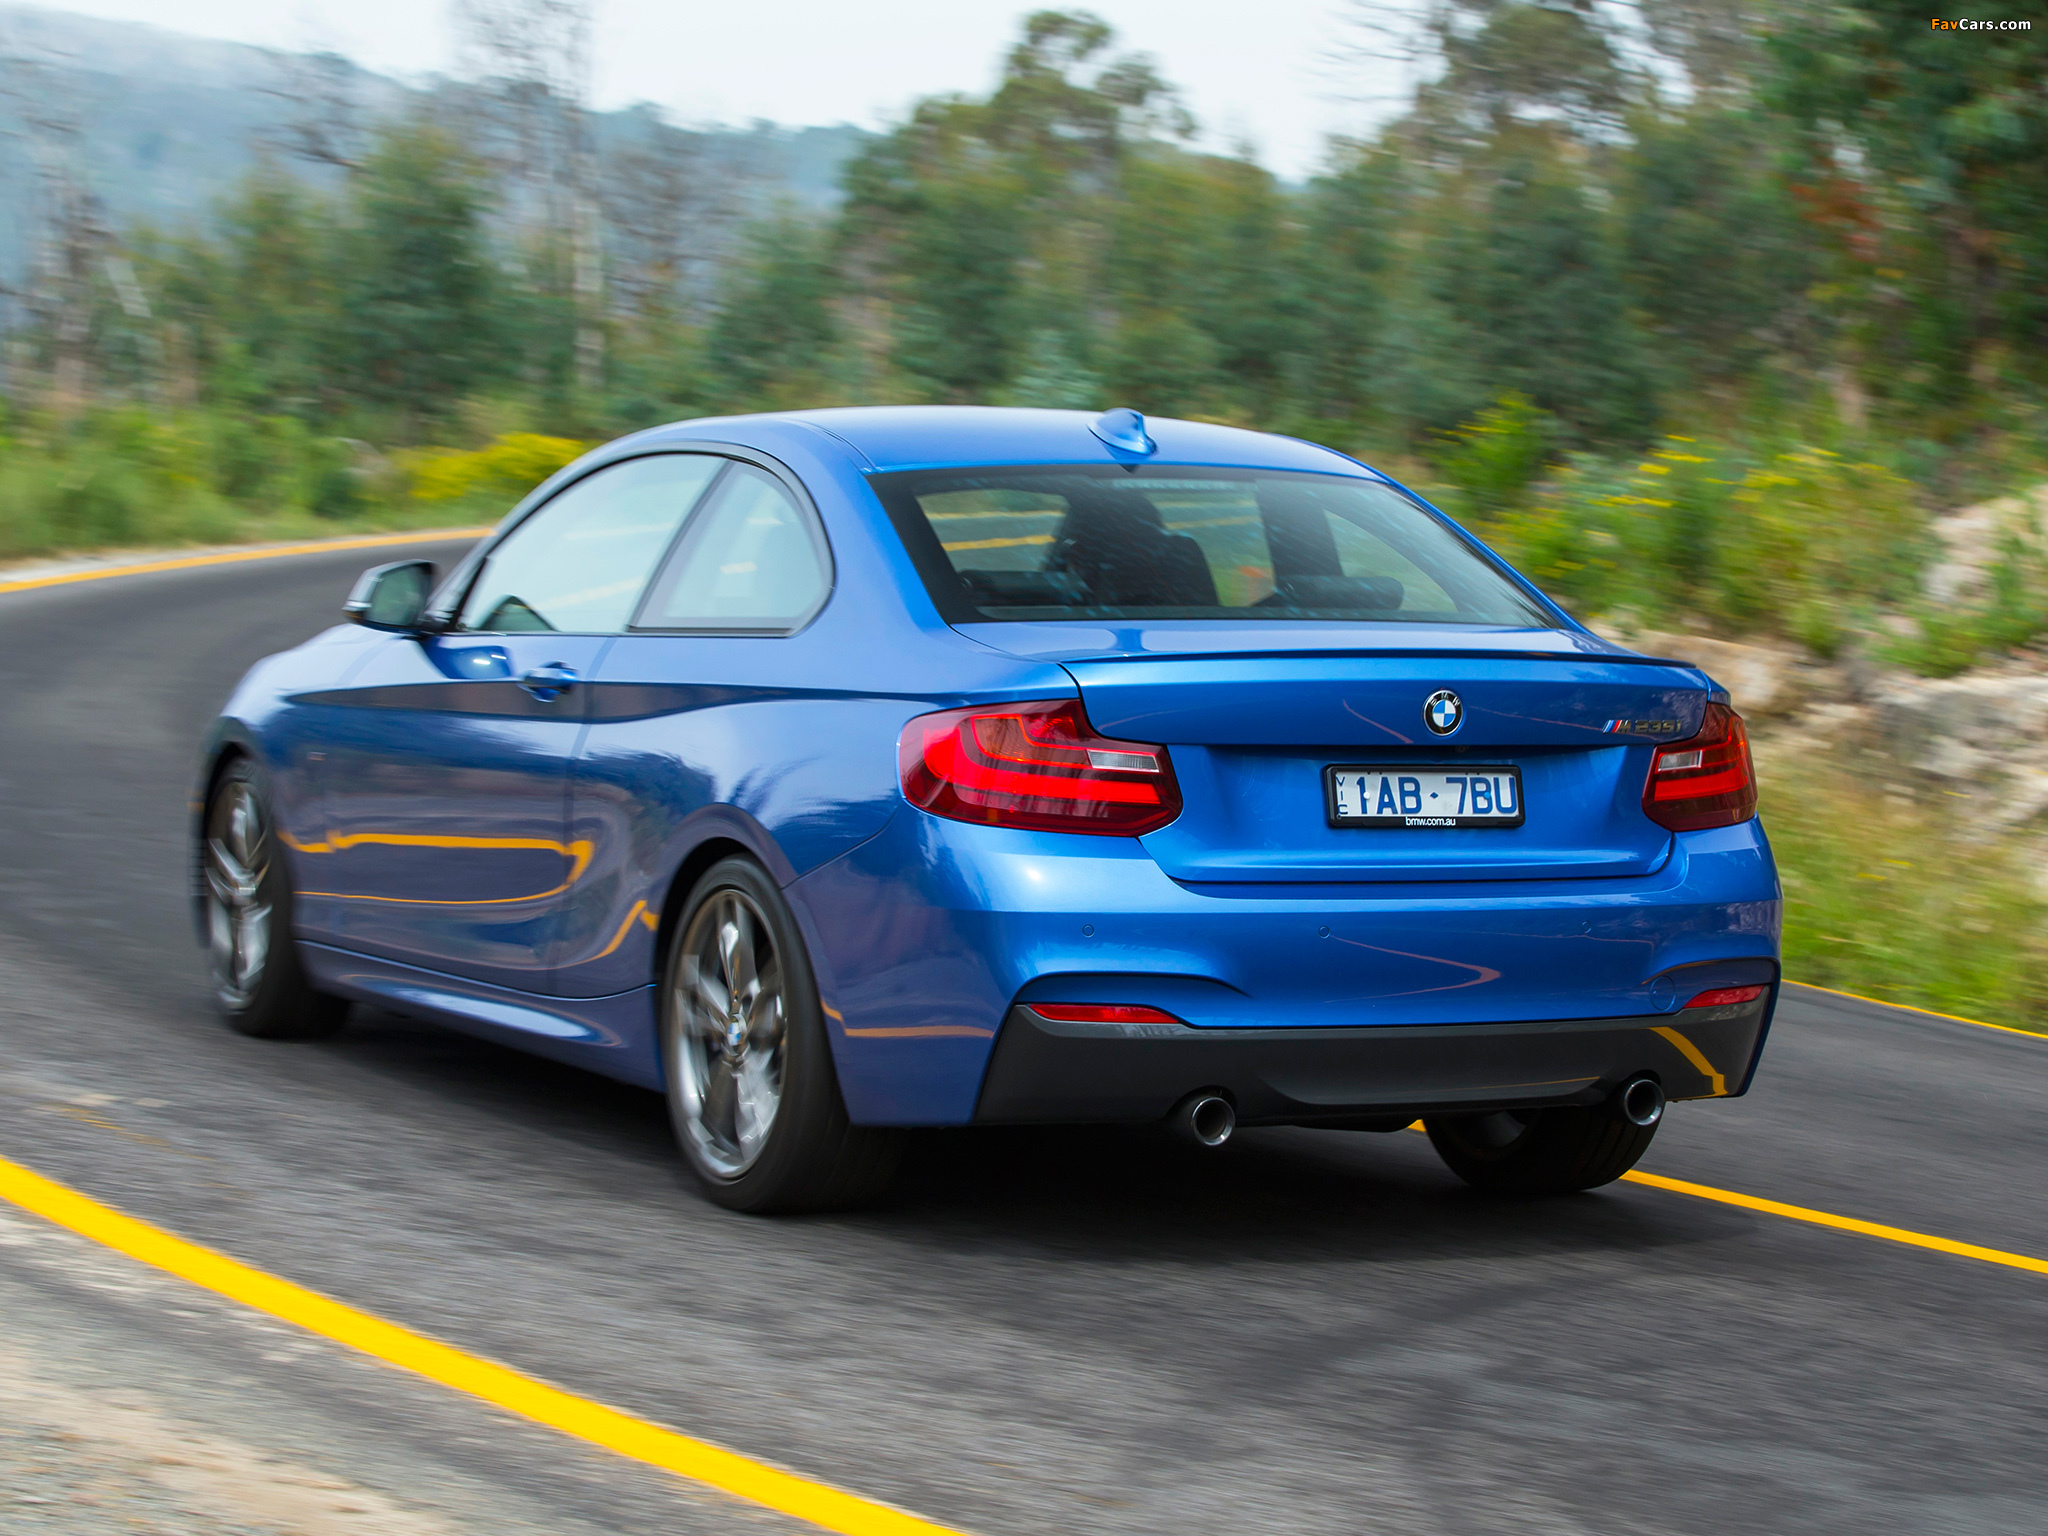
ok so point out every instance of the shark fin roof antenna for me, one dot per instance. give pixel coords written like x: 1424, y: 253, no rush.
x: 1124, y: 430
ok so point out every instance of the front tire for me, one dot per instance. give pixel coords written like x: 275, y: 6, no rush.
x: 258, y: 981
x: 751, y: 1090
x: 1539, y: 1152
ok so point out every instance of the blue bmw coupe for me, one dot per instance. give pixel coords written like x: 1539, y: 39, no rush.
x: 838, y: 772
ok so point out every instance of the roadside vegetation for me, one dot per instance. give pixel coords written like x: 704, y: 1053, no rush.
x: 1902, y: 898
x: 1703, y: 318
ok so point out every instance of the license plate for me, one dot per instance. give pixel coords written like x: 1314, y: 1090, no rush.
x: 1478, y: 795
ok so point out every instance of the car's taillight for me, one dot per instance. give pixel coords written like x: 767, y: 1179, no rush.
x: 1705, y: 780
x: 1037, y: 765
x: 1101, y: 1013
x: 1726, y: 997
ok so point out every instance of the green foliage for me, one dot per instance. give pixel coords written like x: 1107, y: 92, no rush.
x: 1802, y: 544
x: 1946, y: 640
x: 775, y: 331
x: 1508, y: 60
x: 1545, y: 222
x: 502, y: 472
x: 1922, y: 165
x: 984, y: 225
x: 276, y: 257
x: 126, y: 477
x: 1522, y: 280
x: 416, y: 290
x: 334, y: 488
x: 1904, y: 902
x: 1161, y: 363
x: 1531, y: 275
x: 1050, y: 377
x: 1717, y: 264
x: 1494, y: 459
x: 1346, y: 268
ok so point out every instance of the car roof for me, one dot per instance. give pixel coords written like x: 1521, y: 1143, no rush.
x: 898, y: 437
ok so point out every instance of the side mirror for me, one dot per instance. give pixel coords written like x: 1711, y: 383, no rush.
x: 391, y: 596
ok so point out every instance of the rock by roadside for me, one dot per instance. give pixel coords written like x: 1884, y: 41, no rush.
x: 1973, y: 540
x: 1985, y: 731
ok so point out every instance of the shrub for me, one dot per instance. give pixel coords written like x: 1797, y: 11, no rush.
x: 1949, y: 640
x: 507, y: 469
x: 1494, y: 459
x: 1801, y: 544
x: 1878, y: 900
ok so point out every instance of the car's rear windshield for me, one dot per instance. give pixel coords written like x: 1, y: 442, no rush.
x: 1104, y: 542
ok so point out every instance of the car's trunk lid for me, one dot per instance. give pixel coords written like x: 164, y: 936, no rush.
x: 1250, y: 736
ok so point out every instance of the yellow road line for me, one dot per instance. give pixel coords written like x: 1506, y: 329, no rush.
x: 1842, y: 1223
x: 237, y: 557
x: 1829, y: 1219
x: 831, y: 1508
x: 1953, y: 1018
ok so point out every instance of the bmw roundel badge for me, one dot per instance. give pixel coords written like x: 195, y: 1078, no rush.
x: 1442, y: 712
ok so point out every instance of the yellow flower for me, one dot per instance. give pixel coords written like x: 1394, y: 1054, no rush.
x: 511, y: 466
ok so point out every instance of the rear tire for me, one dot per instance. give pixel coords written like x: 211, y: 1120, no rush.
x: 1539, y: 1152
x: 752, y: 1092
x: 258, y: 980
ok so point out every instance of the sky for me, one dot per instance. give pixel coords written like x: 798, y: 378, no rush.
x: 1253, y: 71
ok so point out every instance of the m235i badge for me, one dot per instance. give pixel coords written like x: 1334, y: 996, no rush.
x: 1642, y: 728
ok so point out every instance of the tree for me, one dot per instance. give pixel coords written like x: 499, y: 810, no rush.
x: 1488, y: 64
x: 943, y: 225
x: 416, y: 315
x: 533, y: 60
x: 1347, y: 266
x: 1530, y: 273
x: 1717, y: 264
x: 71, y: 238
x: 671, y: 203
x: 984, y: 225
x: 1923, y: 162
x: 775, y: 330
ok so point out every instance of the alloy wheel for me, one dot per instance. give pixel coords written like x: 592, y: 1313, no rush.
x: 237, y: 859
x: 729, y: 1035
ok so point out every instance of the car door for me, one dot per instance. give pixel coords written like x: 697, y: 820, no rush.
x: 666, y: 742
x: 446, y: 781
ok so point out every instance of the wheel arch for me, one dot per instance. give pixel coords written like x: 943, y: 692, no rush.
x: 714, y: 848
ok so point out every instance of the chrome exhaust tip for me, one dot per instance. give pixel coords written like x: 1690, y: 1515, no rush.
x: 1207, y: 1117
x: 1640, y: 1102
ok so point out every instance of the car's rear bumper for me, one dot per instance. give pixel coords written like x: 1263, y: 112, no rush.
x: 926, y: 938
x: 1045, y: 1071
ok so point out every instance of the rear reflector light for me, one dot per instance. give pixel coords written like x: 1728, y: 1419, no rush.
x: 1705, y: 781
x: 1037, y: 765
x: 1100, y: 1013
x: 1726, y: 997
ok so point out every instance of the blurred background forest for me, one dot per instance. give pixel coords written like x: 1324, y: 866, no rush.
x: 1705, y: 312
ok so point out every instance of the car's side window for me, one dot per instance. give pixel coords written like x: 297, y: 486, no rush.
x: 751, y: 560
x: 580, y: 563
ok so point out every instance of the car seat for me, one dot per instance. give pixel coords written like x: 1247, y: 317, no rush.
x: 1115, y: 542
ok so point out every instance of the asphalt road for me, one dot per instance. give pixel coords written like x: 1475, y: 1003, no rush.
x: 1307, y: 1332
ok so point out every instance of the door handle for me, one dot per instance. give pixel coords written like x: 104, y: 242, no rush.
x: 550, y: 682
